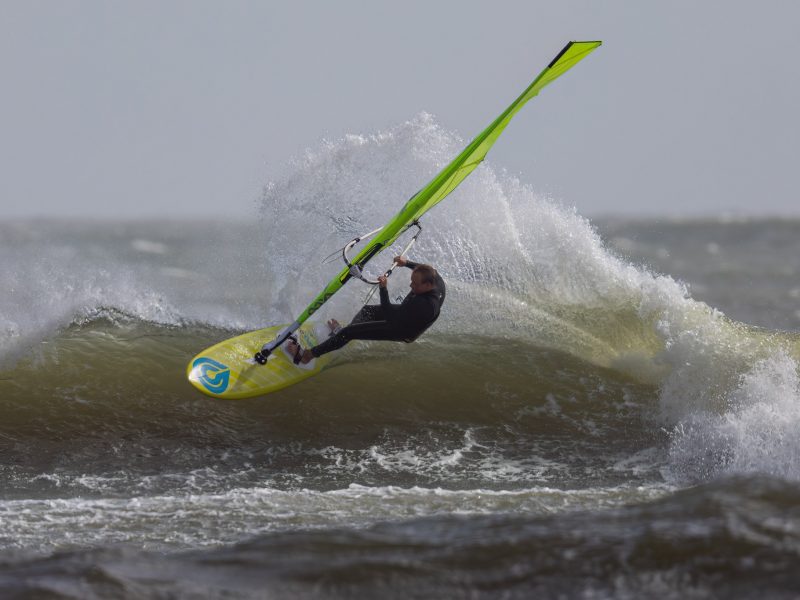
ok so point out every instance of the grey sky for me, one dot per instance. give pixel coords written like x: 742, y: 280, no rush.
x: 135, y: 109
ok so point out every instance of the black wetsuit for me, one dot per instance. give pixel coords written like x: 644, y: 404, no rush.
x: 403, y: 322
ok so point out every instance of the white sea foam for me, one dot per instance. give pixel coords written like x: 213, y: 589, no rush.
x: 52, y: 290
x: 757, y: 431
x: 194, y: 520
x: 53, y: 275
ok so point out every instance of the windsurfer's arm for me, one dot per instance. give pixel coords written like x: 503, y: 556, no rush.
x: 402, y: 261
x: 389, y: 310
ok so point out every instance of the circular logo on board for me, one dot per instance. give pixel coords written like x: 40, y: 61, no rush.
x: 214, y: 376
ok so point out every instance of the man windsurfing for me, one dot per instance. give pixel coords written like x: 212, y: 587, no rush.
x: 402, y: 322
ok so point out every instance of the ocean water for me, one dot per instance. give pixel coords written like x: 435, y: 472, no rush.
x: 605, y: 409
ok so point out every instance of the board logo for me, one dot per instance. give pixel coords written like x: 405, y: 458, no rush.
x: 214, y: 376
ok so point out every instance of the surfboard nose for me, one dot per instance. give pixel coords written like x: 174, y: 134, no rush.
x: 227, y: 369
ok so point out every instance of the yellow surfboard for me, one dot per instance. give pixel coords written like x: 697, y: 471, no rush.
x: 227, y: 370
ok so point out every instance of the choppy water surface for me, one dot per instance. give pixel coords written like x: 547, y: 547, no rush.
x: 603, y: 410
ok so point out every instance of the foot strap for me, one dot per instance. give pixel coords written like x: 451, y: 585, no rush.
x: 298, y: 355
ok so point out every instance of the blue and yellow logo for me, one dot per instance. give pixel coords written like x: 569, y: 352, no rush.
x: 214, y: 376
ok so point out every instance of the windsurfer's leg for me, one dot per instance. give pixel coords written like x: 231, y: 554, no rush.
x: 370, y: 312
x: 370, y: 330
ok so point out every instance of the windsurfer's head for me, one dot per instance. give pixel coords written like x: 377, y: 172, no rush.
x: 423, y: 279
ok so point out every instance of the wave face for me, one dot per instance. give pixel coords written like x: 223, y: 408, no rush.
x: 566, y: 381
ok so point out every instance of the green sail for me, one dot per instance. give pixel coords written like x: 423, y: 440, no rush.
x: 453, y: 174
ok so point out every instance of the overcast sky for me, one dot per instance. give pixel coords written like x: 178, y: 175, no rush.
x: 147, y: 108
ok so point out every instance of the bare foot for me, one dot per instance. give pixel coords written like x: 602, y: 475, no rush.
x: 334, y: 325
x: 293, y: 348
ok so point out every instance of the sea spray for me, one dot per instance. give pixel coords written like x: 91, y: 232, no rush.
x: 758, y: 430
x: 520, y: 265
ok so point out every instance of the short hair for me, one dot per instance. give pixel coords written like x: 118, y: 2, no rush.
x: 427, y: 272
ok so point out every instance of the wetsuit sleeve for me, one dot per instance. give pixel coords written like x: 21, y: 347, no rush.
x: 384, y: 295
x: 389, y: 310
x: 411, y: 264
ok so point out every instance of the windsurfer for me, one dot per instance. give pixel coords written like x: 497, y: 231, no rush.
x: 402, y: 322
